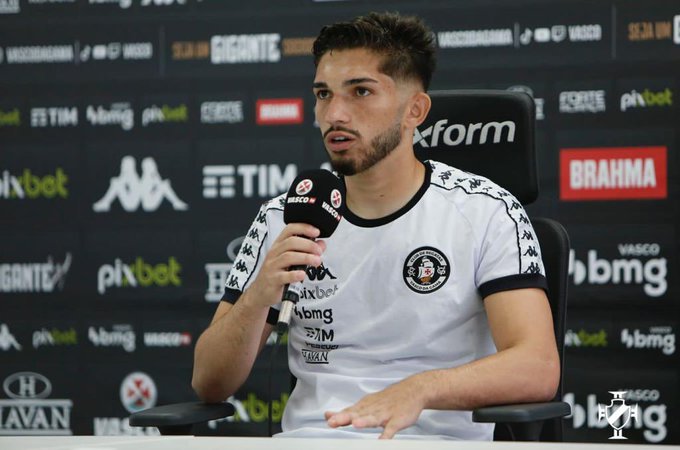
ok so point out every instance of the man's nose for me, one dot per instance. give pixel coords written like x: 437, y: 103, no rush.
x: 336, y: 111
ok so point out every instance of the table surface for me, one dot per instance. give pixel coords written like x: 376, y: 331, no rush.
x: 240, y: 443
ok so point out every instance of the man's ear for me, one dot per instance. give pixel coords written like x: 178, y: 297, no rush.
x: 417, y: 109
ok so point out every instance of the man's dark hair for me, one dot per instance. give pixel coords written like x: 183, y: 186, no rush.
x: 405, y: 42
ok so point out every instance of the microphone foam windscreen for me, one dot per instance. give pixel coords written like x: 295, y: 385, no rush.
x: 316, y: 197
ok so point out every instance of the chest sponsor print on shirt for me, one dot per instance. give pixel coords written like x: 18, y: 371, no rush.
x: 426, y: 269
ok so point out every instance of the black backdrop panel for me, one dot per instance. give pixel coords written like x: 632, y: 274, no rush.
x: 139, y: 138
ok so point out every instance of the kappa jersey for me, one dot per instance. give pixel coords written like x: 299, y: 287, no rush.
x: 398, y: 296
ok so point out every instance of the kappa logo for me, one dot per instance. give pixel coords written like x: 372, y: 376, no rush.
x: 426, y: 269
x: 132, y: 190
x: 319, y: 273
x: 7, y: 339
x: 460, y: 134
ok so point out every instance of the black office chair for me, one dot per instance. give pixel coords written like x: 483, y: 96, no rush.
x: 489, y: 133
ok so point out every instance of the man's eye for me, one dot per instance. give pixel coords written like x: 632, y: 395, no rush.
x: 322, y: 94
x: 362, y: 92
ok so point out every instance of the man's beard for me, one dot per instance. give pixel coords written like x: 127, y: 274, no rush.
x: 381, y: 146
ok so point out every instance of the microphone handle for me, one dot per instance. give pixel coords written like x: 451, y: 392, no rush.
x: 288, y: 300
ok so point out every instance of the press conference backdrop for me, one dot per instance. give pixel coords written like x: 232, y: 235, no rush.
x: 139, y: 137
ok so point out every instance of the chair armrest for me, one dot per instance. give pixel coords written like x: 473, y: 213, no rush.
x: 521, y: 412
x: 178, y: 418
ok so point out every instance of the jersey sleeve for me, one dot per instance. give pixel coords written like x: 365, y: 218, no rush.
x: 510, y: 255
x: 247, y: 264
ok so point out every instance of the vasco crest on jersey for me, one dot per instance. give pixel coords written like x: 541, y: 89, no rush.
x: 426, y: 269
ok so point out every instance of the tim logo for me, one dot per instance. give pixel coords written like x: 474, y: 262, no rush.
x: 133, y: 190
x: 319, y: 273
x: 617, y: 413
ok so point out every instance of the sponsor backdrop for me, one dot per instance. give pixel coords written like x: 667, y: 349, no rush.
x: 139, y: 138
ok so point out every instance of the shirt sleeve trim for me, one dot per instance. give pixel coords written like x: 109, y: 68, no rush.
x: 519, y: 281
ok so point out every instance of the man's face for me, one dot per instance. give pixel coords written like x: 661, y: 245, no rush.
x: 359, y: 109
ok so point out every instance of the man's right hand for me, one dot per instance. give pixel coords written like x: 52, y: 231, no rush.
x: 295, y: 246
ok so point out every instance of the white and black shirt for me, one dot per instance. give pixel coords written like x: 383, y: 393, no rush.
x: 397, y: 296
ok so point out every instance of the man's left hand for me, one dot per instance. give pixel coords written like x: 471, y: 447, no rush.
x: 393, y: 409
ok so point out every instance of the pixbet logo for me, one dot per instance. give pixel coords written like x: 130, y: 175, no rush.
x: 584, y: 338
x: 460, y: 134
x: 139, y: 273
x: 165, y: 114
x: 253, y: 409
x: 31, y: 186
x: 54, y: 337
x: 646, y: 99
x: 651, y: 274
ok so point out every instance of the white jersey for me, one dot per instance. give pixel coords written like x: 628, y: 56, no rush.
x: 397, y: 296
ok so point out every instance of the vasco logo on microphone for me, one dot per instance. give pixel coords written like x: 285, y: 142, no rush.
x: 304, y: 186
x: 426, y: 269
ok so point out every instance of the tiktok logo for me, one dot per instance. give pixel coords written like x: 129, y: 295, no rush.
x: 132, y: 190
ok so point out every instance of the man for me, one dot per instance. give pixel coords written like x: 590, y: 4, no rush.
x: 421, y: 306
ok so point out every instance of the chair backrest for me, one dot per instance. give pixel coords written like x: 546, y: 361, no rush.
x: 486, y: 132
x: 554, y: 242
x: 492, y: 133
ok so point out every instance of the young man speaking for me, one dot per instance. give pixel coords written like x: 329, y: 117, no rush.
x: 433, y: 308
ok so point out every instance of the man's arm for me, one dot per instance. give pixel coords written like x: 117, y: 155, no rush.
x: 226, y: 351
x: 525, y: 369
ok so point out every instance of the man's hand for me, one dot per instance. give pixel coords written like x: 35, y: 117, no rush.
x: 393, y: 409
x: 293, y: 247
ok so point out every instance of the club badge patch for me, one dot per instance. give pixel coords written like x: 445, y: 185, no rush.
x: 426, y: 269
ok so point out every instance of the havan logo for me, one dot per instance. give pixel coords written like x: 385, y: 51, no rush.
x: 28, y: 411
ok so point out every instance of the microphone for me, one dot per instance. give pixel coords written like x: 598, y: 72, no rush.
x: 316, y: 197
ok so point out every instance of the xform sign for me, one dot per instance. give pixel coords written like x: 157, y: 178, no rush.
x: 461, y: 134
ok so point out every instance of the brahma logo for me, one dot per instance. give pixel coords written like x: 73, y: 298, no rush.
x: 279, y: 111
x: 613, y: 173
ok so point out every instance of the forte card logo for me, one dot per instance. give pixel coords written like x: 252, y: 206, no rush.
x: 132, y: 190
x: 426, y: 269
x: 617, y: 413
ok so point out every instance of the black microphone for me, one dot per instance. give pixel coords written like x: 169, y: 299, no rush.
x: 316, y: 197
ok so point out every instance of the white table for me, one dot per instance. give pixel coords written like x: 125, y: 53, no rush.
x: 240, y: 443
